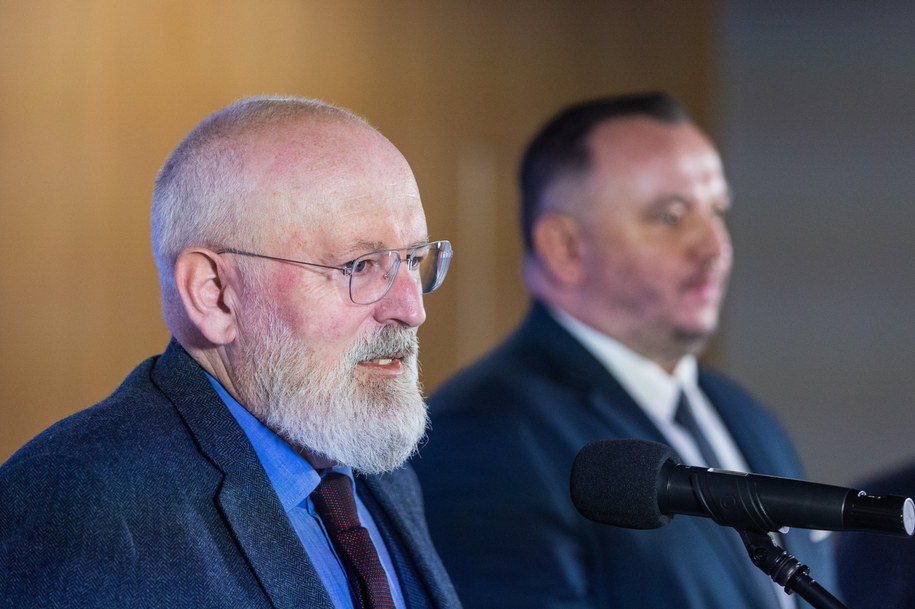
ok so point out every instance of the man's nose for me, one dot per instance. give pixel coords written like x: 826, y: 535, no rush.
x: 404, y: 301
x: 714, y: 240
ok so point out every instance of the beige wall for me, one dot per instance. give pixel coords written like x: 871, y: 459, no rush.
x: 94, y: 93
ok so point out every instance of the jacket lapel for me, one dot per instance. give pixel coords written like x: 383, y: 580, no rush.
x: 395, y: 501
x: 572, y: 365
x: 752, y: 431
x: 246, y: 499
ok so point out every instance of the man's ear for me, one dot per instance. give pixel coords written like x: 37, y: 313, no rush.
x: 557, y: 244
x: 207, y: 296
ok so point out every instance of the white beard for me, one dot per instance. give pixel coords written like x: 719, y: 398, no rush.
x: 373, y: 426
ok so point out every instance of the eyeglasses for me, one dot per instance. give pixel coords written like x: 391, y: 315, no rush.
x: 372, y: 275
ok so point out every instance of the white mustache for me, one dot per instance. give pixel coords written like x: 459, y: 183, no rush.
x: 388, y: 341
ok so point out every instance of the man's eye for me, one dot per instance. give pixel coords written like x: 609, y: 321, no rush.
x: 722, y: 211
x: 670, y: 213
x: 362, y: 266
x: 671, y: 217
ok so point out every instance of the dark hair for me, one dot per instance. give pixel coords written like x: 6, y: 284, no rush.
x: 560, y: 148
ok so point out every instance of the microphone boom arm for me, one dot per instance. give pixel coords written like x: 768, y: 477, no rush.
x: 786, y: 570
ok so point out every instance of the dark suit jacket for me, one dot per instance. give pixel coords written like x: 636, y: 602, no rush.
x: 878, y: 571
x: 155, y: 498
x: 495, y: 473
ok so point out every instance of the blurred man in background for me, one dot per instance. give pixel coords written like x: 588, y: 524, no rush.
x: 627, y: 257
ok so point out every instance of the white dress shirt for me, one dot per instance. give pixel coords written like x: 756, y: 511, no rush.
x: 657, y: 392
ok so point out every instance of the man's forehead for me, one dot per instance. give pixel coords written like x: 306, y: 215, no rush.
x: 339, y: 227
x: 336, y: 176
x: 626, y: 145
x: 315, y: 147
x: 639, y: 138
x: 640, y: 161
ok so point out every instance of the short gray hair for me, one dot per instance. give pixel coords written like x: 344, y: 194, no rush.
x: 199, y: 194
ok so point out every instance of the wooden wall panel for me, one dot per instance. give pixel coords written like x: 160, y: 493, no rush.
x: 94, y: 94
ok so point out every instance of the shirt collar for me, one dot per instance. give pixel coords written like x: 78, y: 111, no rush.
x: 650, y: 386
x: 291, y: 475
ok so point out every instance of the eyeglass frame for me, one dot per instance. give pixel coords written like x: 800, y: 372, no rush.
x: 445, y: 248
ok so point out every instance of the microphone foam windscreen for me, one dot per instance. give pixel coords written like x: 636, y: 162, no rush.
x: 616, y: 482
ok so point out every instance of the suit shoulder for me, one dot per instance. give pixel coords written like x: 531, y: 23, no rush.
x: 103, y: 423
x: 709, y: 377
x: 130, y: 434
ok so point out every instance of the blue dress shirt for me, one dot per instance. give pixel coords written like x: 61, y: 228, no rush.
x: 293, y: 479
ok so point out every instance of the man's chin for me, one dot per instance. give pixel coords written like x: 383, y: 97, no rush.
x: 383, y: 461
x: 693, y: 339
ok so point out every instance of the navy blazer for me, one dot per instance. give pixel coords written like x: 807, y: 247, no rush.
x: 495, y: 473
x: 155, y: 498
x: 878, y: 571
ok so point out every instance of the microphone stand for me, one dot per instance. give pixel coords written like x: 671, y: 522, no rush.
x: 786, y: 570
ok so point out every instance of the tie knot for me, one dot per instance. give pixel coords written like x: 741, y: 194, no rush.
x: 335, y: 503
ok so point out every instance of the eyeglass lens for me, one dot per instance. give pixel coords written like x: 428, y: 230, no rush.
x: 372, y: 275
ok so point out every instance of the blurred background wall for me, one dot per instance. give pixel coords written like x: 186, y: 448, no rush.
x: 817, y: 125
x: 811, y: 105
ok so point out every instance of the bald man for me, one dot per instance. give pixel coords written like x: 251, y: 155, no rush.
x: 293, y: 257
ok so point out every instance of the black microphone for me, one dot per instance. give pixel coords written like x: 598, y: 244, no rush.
x: 639, y: 484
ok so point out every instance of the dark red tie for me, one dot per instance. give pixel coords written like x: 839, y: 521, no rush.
x: 336, y: 506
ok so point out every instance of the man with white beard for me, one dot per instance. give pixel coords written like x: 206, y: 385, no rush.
x: 259, y: 461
